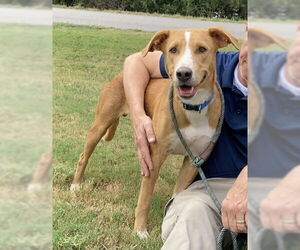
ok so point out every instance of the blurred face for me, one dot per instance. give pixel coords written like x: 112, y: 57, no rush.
x: 243, y: 64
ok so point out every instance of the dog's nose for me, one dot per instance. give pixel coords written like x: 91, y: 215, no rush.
x: 184, y: 74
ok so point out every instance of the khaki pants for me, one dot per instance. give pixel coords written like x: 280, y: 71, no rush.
x: 258, y: 189
x: 192, y: 221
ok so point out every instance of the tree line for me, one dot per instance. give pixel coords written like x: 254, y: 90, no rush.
x: 280, y: 9
x: 231, y: 9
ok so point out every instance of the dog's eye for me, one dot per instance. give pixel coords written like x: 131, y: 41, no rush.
x: 173, y: 50
x: 202, y: 49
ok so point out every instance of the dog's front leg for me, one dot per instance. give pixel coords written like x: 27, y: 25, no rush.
x: 186, y: 176
x: 158, y: 155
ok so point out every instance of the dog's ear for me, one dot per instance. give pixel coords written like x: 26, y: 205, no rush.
x: 156, y: 42
x: 222, y: 38
x: 260, y: 38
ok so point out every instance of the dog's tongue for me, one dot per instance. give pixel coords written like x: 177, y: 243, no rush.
x: 186, y: 91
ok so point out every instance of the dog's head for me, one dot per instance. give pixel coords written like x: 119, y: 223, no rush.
x: 191, y: 56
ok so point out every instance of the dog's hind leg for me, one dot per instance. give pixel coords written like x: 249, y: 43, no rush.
x: 95, y: 133
x: 187, y: 174
x: 111, y: 105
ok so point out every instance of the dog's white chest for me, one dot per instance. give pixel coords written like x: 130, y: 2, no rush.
x: 197, y: 136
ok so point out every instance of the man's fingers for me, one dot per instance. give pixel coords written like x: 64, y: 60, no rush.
x: 241, y: 223
x: 228, y: 215
x: 232, y: 221
x: 264, y: 214
x: 276, y: 222
x: 146, y: 156
x: 234, y: 217
x: 143, y: 136
x: 270, y: 215
x: 144, y: 152
x: 149, y: 132
x: 144, y: 167
x: 224, y: 214
x: 289, y: 223
x: 225, y: 220
x: 265, y: 220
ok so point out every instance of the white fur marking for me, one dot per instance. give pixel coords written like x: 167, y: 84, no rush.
x: 34, y: 187
x: 75, y: 187
x: 197, y: 135
x: 187, y: 58
x: 143, y: 234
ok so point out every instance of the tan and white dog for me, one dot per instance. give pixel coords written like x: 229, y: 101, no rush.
x: 190, y: 57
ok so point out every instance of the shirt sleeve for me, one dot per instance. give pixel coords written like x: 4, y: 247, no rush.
x: 266, y: 67
x: 162, y: 67
x: 225, y: 65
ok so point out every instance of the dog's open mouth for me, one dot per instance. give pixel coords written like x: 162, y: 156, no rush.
x: 186, y: 91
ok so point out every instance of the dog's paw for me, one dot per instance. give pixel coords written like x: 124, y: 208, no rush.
x: 75, y: 187
x: 34, y: 187
x: 142, y: 234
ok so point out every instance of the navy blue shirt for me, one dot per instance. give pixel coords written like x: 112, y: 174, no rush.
x: 276, y: 148
x: 230, y: 153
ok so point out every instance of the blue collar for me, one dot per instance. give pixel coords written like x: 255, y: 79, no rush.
x: 200, y: 106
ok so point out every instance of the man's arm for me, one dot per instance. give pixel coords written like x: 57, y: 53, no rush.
x: 234, y: 206
x: 138, y: 70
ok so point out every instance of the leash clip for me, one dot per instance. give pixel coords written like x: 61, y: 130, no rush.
x: 198, y: 161
x: 200, y: 108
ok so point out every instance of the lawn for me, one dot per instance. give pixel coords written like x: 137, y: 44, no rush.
x: 101, y: 215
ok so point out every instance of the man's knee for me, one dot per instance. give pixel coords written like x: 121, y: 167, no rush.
x: 198, y: 213
x: 195, y: 217
x: 195, y: 208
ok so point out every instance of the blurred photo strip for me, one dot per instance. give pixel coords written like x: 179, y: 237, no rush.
x: 25, y: 124
x: 274, y: 124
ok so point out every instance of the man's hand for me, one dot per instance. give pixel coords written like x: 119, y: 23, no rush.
x: 144, y: 135
x: 292, y: 68
x: 280, y: 210
x: 234, y: 206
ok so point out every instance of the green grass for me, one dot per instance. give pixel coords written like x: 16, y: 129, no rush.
x: 101, y: 215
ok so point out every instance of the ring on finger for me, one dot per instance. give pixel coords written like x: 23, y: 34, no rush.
x: 289, y: 222
x: 240, y: 222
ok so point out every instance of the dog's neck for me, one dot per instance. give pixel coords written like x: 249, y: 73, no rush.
x: 195, y: 118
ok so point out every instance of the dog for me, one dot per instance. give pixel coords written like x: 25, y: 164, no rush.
x: 190, y: 57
